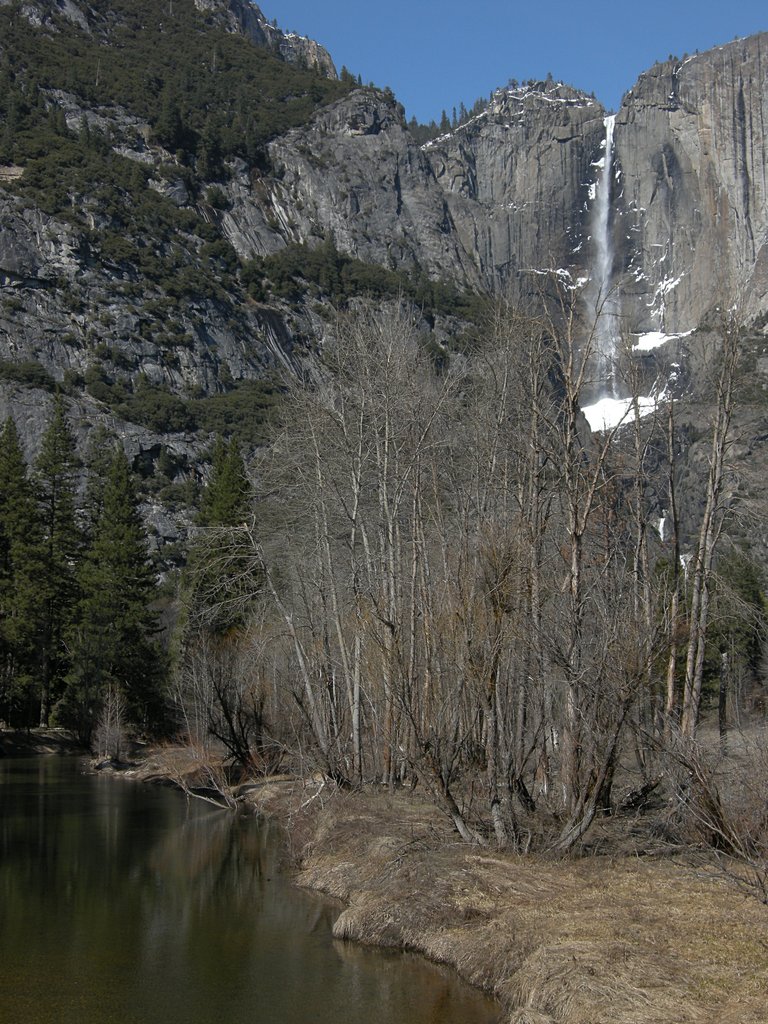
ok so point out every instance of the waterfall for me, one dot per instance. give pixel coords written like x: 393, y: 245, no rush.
x: 603, y: 301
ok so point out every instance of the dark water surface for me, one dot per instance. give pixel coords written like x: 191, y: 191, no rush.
x: 122, y: 903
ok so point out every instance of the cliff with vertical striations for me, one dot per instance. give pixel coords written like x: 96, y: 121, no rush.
x: 692, y: 144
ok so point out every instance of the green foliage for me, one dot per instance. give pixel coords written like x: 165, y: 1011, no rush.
x: 238, y: 98
x: 227, y: 498
x: 139, y: 58
x: 16, y: 501
x: 19, y: 572
x: 157, y: 409
x: 26, y: 371
x: 72, y: 623
x: 59, y: 549
x: 738, y: 620
x: 243, y: 412
x: 423, y: 133
x: 216, y: 198
x: 98, y: 459
x: 740, y: 613
x: 299, y: 269
x: 113, y: 641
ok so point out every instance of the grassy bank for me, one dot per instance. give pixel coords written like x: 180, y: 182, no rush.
x: 606, y: 939
x: 602, y: 940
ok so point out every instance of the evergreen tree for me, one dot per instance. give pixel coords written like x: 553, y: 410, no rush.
x: 114, y: 638
x: 15, y: 498
x: 98, y: 459
x: 226, y: 499
x: 60, y: 548
x: 209, y: 160
x: 216, y: 587
x: 169, y: 128
x: 19, y: 573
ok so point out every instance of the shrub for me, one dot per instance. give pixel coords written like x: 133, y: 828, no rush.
x: 27, y: 371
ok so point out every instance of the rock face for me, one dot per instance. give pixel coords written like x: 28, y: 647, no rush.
x: 692, y: 147
x: 517, y: 179
x: 495, y: 203
x: 245, y: 17
x: 506, y: 202
x: 510, y: 194
x: 359, y: 176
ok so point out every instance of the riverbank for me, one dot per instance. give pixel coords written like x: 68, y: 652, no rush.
x: 29, y: 743
x: 621, y: 939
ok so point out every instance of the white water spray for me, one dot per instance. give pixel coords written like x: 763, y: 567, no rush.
x: 602, y: 298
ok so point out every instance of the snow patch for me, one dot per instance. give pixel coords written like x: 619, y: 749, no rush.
x: 608, y: 413
x: 655, y: 339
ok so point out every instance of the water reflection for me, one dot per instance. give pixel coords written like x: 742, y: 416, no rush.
x: 124, y: 903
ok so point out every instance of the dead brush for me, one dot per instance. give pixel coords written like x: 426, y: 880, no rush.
x: 722, y: 810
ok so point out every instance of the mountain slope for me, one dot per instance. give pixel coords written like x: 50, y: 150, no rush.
x: 186, y: 193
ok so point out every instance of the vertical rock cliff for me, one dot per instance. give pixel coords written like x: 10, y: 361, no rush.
x: 130, y: 251
x: 692, y: 217
x: 517, y: 180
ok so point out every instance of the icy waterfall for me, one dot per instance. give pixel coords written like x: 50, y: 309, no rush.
x: 602, y: 297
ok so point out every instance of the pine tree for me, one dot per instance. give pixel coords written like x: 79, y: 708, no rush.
x: 16, y: 505
x: 209, y: 160
x: 227, y: 497
x: 216, y: 588
x: 98, y: 459
x: 114, y: 638
x: 169, y: 128
x: 60, y: 549
x: 19, y: 573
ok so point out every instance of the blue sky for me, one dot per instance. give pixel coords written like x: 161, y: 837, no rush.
x: 437, y: 54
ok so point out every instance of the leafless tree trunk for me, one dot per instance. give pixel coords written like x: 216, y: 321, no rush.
x: 110, y: 735
x: 710, y: 530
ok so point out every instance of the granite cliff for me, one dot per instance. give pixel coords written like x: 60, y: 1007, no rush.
x: 159, y: 230
x: 692, y: 147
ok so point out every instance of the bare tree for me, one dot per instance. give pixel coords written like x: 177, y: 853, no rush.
x: 110, y: 735
x: 448, y: 580
x: 710, y: 530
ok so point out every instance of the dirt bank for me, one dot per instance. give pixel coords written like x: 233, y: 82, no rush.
x: 596, y: 941
x: 23, y: 743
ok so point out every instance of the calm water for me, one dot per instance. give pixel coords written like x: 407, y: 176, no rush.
x: 121, y: 903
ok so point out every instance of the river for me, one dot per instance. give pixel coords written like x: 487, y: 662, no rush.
x: 125, y: 904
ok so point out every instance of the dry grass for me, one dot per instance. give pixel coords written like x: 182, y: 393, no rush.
x: 595, y: 941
